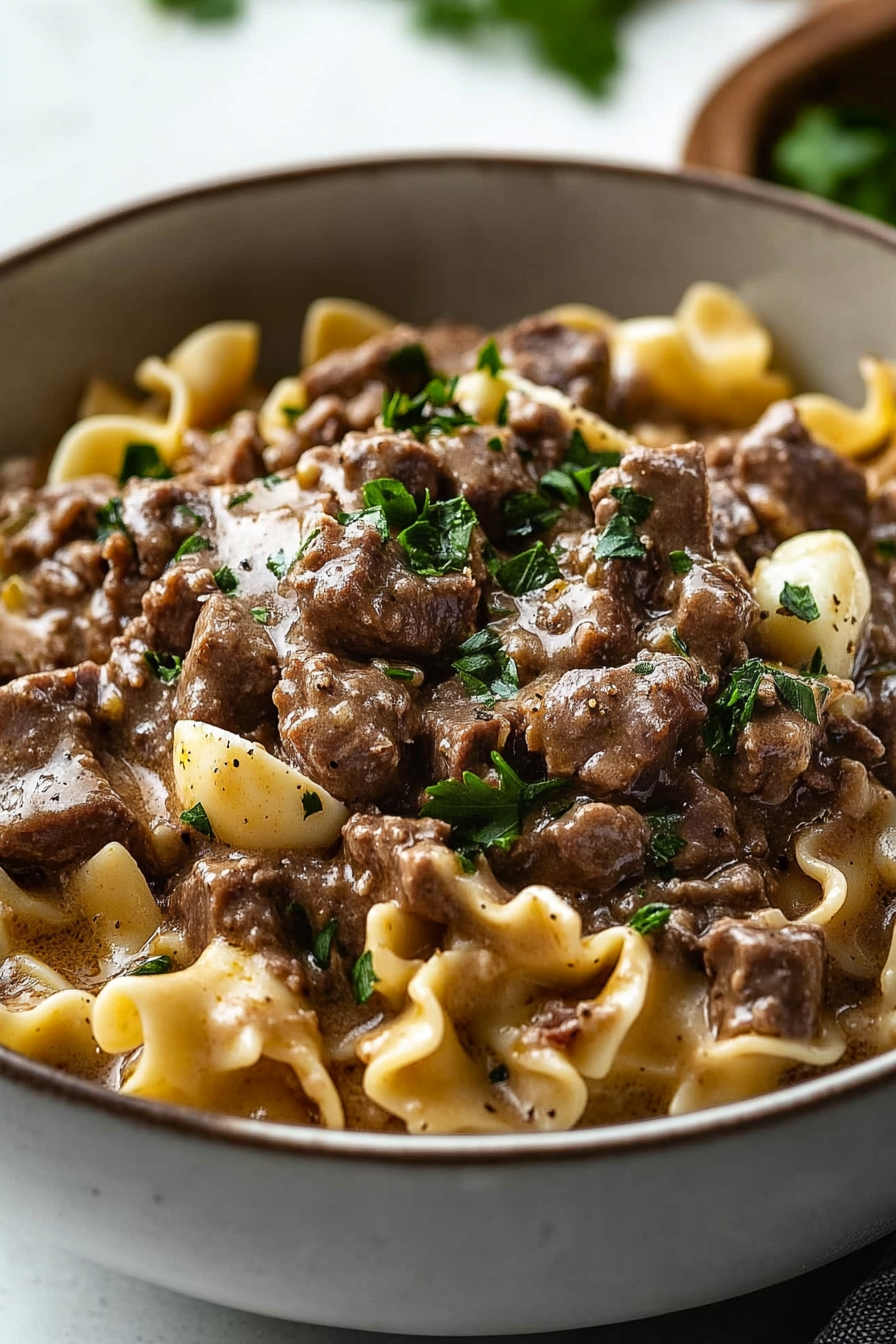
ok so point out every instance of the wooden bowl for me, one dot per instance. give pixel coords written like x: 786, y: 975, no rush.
x: 844, y: 54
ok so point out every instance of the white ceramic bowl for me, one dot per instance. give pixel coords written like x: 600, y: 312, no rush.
x: 460, y: 1235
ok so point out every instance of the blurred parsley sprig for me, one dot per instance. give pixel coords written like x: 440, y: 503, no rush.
x: 577, y: 38
x: 843, y: 155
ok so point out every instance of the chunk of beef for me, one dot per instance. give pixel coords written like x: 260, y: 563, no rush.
x: 538, y: 432
x: 715, y: 612
x: 881, y: 689
x: 346, y: 373
x: 484, y: 476
x: 707, y: 826
x: 392, y: 859
x: 324, y: 423
x: 458, y: 735
x: 453, y: 346
x: 369, y: 457
x: 733, y: 521
x: 733, y: 890
x: 547, y: 352
x: 357, y: 595
x: 347, y: 727
x: 675, y: 480
x: 574, y: 624
x: 232, y: 456
x: 768, y: 981
x: 773, y: 752
x: 591, y: 848
x: 795, y: 485
x: 57, y: 805
x: 172, y: 605
x: 159, y: 516
x: 231, y: 670
x: 36, y: 523
x: 615, y: 729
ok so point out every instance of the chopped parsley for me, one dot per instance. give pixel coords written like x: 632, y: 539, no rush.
x: 843, y: 154
x: 279, y: 564
x: 665, y: 841
x: 735, y: 704
x: 485, y: 669
x: 643, y: 669
x: 439, y: 541
x: 142, y: 459
x: 503, y: 409
x: 260, y: 614
x: 364, y: 977
x: 242, y: 498
x: 524, y: 573
x: 161, y: 965
x: 797, y: 600
x: 579, y: 469
x: 650, y: 917
x: 482, y: 814
x: 165, y: 667
x: 885, y: 548
x: 192, y: 546
x: 490, y: 360
x: 678, y: 643
x: 432, y: 411
x: 312, y: 803
x: 226, y: 580
x: 681, y: 562
x: 197, y: 817
x: 816, y: 666
x: 109, y: 519
x: 411, y: 361
x: 495, y: 445
x: 388, y: 505
x: 322, y: 944
x: 527, y: 512
x: 270, y: 481
x: 291, y: 413
x: 398, y: 673
x: 619, y: 539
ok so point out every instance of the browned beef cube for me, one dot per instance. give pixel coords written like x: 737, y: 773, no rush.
x: 769, y: 981
x: 34, y: 523
x: 234, y: 455
x: 614, y: 728
x: 392, y: 860
x: 231, y: 670
x: 172, y: 605
x: 346, y: 373
x: 347, y: 727
x: 547, y: 352
x: 485, y: 476
x: 675, y: 480
x: 591, y: 848
x: 458, y: 734
x: 356, y: 594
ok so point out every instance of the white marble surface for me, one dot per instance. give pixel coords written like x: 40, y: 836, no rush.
x: 103, y: 101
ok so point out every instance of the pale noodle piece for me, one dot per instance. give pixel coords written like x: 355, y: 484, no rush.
x: 481, y: 394
x: 281, y: 408
x: 849, y: 432
x: 250, y: 797
x: 220, y: 1016
x: 202, y: 381
x: 708, y: 362
x: 829, y: 564
x: 339, y: 324
x: 57, y: 1030
x: 581, y: 317
x: 112, y: 893
x: 18, y: 907
x: 503, y: 960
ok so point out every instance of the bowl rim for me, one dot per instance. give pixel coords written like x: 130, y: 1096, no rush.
x: 359, y: 1145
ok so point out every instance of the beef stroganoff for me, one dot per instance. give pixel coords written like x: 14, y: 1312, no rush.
x: 475, y: 732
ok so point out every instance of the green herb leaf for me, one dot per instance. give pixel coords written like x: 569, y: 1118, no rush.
x: 482, y: 814
x: 109, y: 519
x: 665, y: 841
x: 291, y: 414
x: 205, y: 11
x: 650, y: 917
x: 226, y: 580
x: 797, y: 600
x: 842, y: 154
x: 260, y: 614
x: 619, y: 539
x: 312, y: 803
x: 528, y: 512
x: 495, y: 445
x: 490, y: 359
x: 165, y: 667
x: 678, y: 643
x: 681, y: 562
x: 161, y: 965
x: 816, y: 667
x: 192, y: 546
x: 579, y: 469
x: 142, y: 459
x: 643, y: 669
x: 797, y: 693
x: 439, y: 541
x: 242, y: 498
x: 524, y: 573
x: 399, y: 673
x: 322, y: 943
x: 198, y: 819
x: 394, y: 500
x: 885, y: 548
x: 269, y: 482
x: 734, y: 705
x: 485, y: 669
x: 280, y: 564
x: 364, y: 977
x: 411, y: 362
x: 632, y: 504
x: 432, y: 411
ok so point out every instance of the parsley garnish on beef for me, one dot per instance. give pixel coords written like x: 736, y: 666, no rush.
x: 161, y: 965
x: 364, y: 977
x: 681, y: 562
x: 142, y: 459
x: 797, y: 600
x: 241, y: 498
x: 524, y: 573
x: 619, y: 539
x: 489, y: 359
x: 579, y: 469
x: 109, y: 520
x: 650, y: 917
x: 197, y: 817
x: 665, y: 841
x: 735, y: 704
x: 322, y: 943
x: 439, y: 541
x: 482, y: 815
x: 192, y: 546
x: 528, y: 512
x: 165, y: 667
x: 226, y: 580
x: 485, y: 669
x: 411, y: 361
x: 432, y: 411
